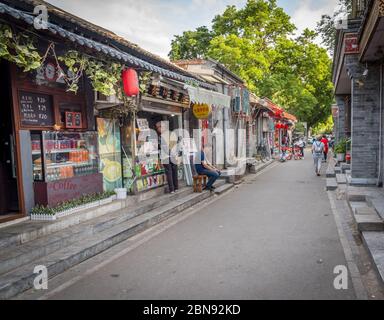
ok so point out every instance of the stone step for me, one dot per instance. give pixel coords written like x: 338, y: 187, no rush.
x: 345, y: 167
x: 21, y: 279
x: 224, y: 188
x: 341, y: 179
x: 331, y: 184
x: 356, y: 196
x: 331, y: 172
x: 367, y: 219
x: 28, y: 231
x: 374, y: 242
x: 377, y: 203
x: 337, y: 170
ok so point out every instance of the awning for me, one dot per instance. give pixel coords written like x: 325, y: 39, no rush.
x: 199, y: 95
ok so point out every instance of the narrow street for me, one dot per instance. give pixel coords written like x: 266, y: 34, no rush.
x: 273, y: 237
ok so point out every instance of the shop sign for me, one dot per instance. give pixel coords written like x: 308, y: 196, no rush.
x: 351, y: 44
x: 201, y: 111
x: 73, y: 120
x: 142, y: 124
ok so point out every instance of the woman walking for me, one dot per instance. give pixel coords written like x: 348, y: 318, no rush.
x: 318, y: 154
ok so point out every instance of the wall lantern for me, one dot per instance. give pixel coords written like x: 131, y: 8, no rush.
x: 130, y: 82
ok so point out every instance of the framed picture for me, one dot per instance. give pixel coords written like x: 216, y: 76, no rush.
x: 73, y: 120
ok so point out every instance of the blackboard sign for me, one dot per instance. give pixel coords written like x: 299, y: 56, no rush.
x: 36, y: 109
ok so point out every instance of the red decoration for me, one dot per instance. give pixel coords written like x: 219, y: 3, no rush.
x: 130, y: 82
x: 348, y: 157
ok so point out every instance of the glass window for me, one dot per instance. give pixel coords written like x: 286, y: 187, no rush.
x: 65, y: 155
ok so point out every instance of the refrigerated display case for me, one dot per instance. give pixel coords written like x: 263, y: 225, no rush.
x: 62, y: 155
x: 63, y: 164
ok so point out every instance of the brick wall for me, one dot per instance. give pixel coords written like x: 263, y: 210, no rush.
x: 365, y: 119
x: 340, y: 120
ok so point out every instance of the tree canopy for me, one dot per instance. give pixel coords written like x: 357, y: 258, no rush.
x: 257, y: 42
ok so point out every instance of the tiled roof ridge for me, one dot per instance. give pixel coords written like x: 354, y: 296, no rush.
x: 107, y: 33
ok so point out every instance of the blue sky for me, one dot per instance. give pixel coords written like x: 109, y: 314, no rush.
x: 152, y: 23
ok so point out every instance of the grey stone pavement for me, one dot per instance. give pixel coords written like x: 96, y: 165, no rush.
x: 273, y: 237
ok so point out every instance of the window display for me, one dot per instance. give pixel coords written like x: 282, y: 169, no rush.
x: 148, y: 169
x: 63, y: 155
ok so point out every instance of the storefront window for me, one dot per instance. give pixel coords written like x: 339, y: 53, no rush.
x: 148, y: 169
x: 64, y: 155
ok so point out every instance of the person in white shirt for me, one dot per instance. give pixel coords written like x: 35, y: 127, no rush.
x: 318, y: 154
x: 301, y: 145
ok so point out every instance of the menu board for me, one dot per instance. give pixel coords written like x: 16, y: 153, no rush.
x: 36, y: 109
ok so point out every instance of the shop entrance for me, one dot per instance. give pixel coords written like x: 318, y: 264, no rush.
x: 9, y: 202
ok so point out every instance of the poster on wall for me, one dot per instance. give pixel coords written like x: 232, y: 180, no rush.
x: 110, y: 153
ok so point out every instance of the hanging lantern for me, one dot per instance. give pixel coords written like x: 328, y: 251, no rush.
x: 130, y: 82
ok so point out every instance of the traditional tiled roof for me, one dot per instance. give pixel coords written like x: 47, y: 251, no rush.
x: 166, y: 69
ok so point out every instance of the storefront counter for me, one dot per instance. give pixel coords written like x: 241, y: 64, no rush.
x: 55, y: 192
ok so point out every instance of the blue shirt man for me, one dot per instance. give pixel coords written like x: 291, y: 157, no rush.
x: 203, y: 167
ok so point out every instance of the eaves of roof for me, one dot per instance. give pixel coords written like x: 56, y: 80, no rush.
x: 176, y: 73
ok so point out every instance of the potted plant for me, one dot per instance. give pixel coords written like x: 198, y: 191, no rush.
x: 340, y: 150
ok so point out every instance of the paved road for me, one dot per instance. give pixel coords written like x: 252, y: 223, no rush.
x: 271, y: 238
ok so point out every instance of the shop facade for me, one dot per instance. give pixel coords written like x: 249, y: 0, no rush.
x: 52, y: 151
x: 136, y: 159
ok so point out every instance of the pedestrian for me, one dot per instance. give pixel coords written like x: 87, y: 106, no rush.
x: 301, y: 145
x: 325, y: 141
x: 167, y: 161
x: 203, y: 167
x: 318, y: 153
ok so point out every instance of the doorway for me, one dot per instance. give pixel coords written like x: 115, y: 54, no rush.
x: 9, y: 200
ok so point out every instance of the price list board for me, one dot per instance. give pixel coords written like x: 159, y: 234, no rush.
x: 36, y: 109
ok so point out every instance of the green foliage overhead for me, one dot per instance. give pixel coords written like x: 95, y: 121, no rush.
x: 19, y: 49
x: 257, y: 43
x: 326, y: 27
x: 324, y: 127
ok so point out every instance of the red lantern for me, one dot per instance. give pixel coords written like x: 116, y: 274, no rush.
x: 130, y: 82
x: 278, y: 126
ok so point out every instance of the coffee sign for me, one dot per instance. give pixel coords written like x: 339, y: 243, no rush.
x: 36, y: 109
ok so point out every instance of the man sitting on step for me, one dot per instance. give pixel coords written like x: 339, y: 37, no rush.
x: 203, y: 167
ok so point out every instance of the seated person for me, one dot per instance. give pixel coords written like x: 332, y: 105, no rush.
x: 203, y: 167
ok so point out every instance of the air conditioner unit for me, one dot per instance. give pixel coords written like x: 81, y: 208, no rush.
x: 102, y: 101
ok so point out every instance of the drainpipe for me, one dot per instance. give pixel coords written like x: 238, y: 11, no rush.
x: 379, y: 178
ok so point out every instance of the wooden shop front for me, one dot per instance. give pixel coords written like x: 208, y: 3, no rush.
x: 56, y: 155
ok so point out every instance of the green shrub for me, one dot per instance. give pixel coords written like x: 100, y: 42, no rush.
x: 67, y: 205
x: 341, y: 146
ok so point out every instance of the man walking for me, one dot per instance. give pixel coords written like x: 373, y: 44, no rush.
x: 167, y: 161
x: 318, y: 153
